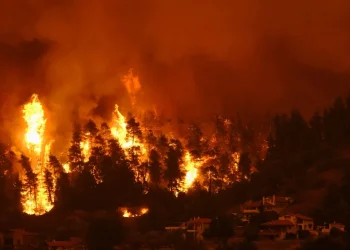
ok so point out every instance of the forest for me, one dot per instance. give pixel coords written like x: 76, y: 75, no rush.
x: 239, y: 161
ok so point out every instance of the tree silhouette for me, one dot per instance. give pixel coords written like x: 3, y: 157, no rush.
x: 31, y: 180
x: 49, y: 183
x: 55, y: 165
x: 211, y: 175
x: 63, y: 192
x: 154, y: 168
x: 194, y: 141
x: 134, y: 134
x: 245, y: 164
x: 75, y: 156
x: 173, y: 173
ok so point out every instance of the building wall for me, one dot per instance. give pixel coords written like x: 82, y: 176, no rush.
x: 298, y: 224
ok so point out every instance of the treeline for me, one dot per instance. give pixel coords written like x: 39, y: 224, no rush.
x: 286, y: 159
x: 300, y: 150
x: 110, y: 175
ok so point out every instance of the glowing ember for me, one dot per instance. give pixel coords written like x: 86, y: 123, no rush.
x: 40, y: 200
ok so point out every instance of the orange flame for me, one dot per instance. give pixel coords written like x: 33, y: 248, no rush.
x: 128, y: 214
x: 38, y: 203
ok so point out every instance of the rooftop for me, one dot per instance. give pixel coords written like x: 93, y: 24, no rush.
x: 278, y: 223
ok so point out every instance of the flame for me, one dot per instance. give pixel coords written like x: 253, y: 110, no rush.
x: 66, y: 168
x: 86, y: 148
x: 38, y: 202
x: 34, y: 117
x: 191, y: 168
x: 119, y: 132
x: 119, y: 127
x: 128, y: 214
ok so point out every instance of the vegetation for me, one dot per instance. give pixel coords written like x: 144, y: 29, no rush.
x: 291, y: 158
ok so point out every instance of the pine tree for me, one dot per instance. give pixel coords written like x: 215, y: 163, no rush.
x: 75, y: 155
x: 63, y: 191
x: 49, y: 184
x: 31, y: 180
x: 154, y: 168
x: 134, y: 134
x: 55, y: 165
x: 162, y: 145
x: 116, y: 152
x: 194, y: 141
x: 211, y: 175
x: 245, y: 164
x: 173, y: 173
x: 91, y: 128
x: 151, y: 140
x: 105, y: 132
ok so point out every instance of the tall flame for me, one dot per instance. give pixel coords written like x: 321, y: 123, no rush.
x: 191, y: 169
x: 39, y: 202
x: 34, y: 117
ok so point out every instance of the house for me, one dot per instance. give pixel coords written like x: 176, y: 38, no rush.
x: 192, y: 229
x: 290, y: 223
x: 326, y: 229
x: 71, y: 244
x: 279, y: 203
x: 276, y: 229
x: 196, y: 227
x: 19, y: 238
x: 269, y: 203
x: 300, y: 222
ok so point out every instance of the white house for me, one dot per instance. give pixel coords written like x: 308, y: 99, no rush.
x: 326, y: 229
x: 276, y: 229
x: 300, y: 222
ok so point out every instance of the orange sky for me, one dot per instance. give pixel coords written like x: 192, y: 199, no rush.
x: 193, y: 57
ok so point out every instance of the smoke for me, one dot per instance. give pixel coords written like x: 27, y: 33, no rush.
x: 193, y: 58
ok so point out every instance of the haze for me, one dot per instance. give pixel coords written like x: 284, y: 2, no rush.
x: 194, y: 57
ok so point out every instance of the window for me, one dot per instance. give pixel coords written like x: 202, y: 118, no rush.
x: 310, y: 226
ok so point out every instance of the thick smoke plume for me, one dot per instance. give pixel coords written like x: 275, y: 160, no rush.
x: 193, y: 57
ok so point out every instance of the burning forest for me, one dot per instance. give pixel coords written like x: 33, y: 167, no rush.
x: 124, y: 146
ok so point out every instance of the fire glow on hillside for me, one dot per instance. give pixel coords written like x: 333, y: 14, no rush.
x: 36, y: 197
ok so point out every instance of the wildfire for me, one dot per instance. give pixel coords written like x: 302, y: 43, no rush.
x: 86, y: 148
x: 128, y: 214
x: 39, y: 200
x: 66, y: 168
x: 119, y: 132
x: 119, y: 127
x: 191, y: 168
x: 34, y: 117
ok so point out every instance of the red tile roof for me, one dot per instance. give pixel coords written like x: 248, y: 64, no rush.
x: 252, y: 204
x: 278, y: 223
x: 303, y: 217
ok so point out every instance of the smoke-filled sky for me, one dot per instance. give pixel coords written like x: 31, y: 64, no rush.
x: 193, y: 57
